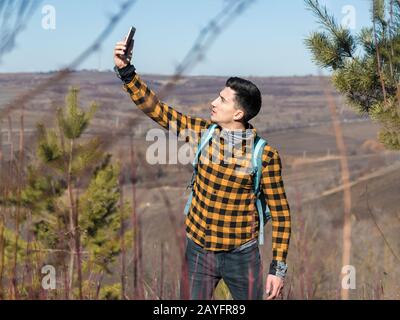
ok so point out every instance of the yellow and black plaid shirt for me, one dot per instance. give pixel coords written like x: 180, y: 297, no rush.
x: 223, y: 214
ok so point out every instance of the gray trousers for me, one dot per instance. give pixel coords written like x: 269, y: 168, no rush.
x: 240, y: 268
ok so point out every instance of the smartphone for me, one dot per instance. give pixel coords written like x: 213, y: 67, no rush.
x: 129, y: 41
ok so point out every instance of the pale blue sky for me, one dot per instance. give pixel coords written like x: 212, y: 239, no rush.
x: 266, y: 40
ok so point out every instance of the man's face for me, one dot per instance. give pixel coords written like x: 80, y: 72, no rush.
x: 224, y: 110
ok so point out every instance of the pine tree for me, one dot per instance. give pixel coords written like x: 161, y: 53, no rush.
x: 59, y: 223
x: 366, y: 66
x: 60, y: 150
x: 101, y: 219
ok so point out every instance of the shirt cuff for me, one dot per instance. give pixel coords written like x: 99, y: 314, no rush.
x: 126, y: 74
x: 278, y: 268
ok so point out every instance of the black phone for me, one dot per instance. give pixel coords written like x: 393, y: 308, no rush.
x: 129, y: 41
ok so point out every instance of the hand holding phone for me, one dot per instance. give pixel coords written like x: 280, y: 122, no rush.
x: 123, y: 50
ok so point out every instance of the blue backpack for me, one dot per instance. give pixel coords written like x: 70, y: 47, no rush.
x: 261, y: 203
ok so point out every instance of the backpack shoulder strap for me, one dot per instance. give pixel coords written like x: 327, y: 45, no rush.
x: 258, y: 149
x: 205, y: 138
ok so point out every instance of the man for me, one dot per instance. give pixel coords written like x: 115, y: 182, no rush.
x: 222, y: 222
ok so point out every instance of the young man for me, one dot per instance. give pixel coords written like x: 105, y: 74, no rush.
x: 222, y: 221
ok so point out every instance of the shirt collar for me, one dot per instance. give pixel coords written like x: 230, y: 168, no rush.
x: 248, y: 133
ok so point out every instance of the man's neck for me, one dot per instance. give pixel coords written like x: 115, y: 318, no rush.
x: 233, y: 126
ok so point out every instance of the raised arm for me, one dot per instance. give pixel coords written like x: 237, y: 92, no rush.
x: 147, y: 101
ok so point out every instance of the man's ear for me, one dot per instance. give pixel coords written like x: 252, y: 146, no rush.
x: 238, y: 115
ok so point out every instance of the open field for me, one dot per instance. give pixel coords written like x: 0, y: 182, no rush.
x: 295, y: 119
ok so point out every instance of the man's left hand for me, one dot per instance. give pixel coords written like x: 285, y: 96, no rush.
x: 273, y: 286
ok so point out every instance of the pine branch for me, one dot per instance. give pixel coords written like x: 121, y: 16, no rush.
x: 74, y: 120
x: 324, y: 51
x: 86, y: 155
x: 370, y: 82
x: 49, y: 149
x: 332, y: 48
x: 365, y: 39
x: 323, y: 17
x: 378, y: 11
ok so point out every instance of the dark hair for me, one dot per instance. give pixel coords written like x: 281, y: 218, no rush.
x: 248, y: 97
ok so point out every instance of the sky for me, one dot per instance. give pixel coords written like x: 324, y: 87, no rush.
x: 266, y: 40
